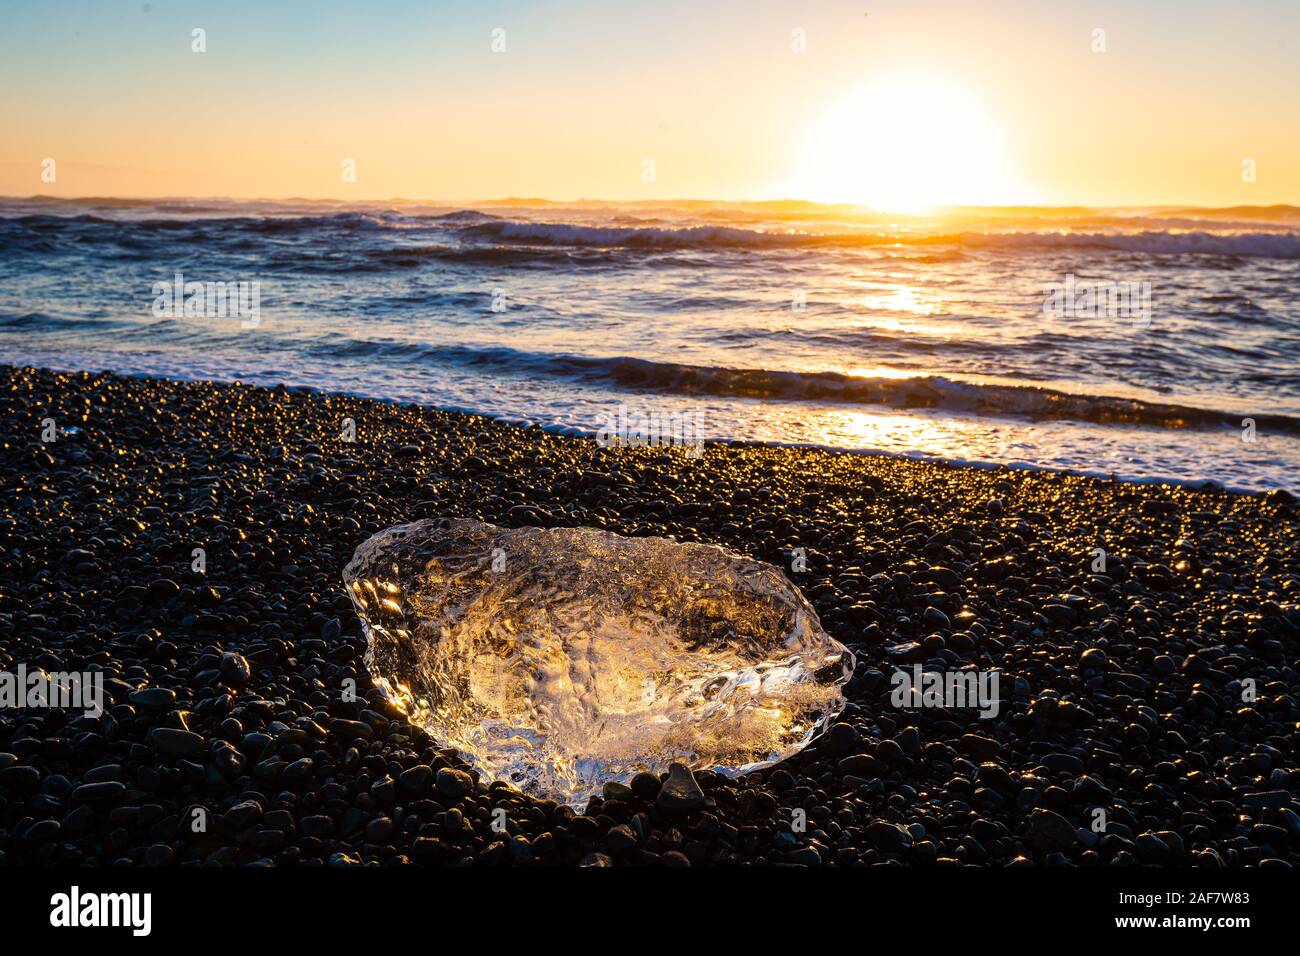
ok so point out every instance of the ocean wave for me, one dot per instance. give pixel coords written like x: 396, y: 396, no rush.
x: 1248, y: 244
x: 922, y: 392
x: 489, y: 256
x: 574, y: 234
x: 927, y: 392
x: 35, y: 323
x: 1266, y: 245
x: 469, y: 228
x: 31, y: 321
x: 465, y: 217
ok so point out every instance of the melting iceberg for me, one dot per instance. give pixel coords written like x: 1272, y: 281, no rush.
x: 558, y: 659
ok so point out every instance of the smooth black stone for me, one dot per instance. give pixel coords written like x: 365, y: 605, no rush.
x: 99, y: 792
x: 454, y: 783
x: 176, y: 742
x: 154, y: 698
x: 680, y: 792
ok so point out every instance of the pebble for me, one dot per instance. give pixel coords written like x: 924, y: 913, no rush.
x: 415, y: 779
x: 889, y: 837
x: 21, y: 779
x: 842, y: 737
x: 154, y: 698
x: 170, y: 740
x: 454, y: 783
x: 235, y: 669
x: 1119, y: 689
x: 99, y: 792
x: 1047, y: 831
x: 979, y: 747
x: 936, y: 618
x: 620, y: 839
x: 1093, y: 658
x: 680, y: 792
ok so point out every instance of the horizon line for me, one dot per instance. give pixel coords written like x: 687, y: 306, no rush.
x: 520, y: 201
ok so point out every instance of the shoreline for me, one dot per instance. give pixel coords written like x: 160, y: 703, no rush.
x: 1120, y: 690
x: 569, y: 431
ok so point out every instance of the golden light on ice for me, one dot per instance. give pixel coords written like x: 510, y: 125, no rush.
x: 906, y: 144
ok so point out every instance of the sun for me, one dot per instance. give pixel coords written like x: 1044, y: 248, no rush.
x: 906, y: 144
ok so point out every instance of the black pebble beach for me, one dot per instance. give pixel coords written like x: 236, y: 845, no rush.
x: 1162, y: 692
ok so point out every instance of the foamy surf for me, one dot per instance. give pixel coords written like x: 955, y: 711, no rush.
x: 926, y: 337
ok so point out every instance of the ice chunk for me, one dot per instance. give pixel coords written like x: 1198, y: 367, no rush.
x: 558, y: 659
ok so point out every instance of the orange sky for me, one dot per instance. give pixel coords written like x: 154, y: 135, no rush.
x: 891, y: 104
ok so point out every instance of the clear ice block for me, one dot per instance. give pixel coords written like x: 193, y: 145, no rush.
x: 558, y: 659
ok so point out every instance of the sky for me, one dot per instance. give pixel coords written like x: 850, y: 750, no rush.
x: 891, y: 104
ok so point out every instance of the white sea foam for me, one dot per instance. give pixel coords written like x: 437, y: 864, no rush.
x: 797, y: 324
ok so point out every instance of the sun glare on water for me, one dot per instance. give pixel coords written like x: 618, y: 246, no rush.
x: 906, y: 144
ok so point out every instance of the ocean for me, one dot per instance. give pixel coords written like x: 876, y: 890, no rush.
x: 1146, y: 344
